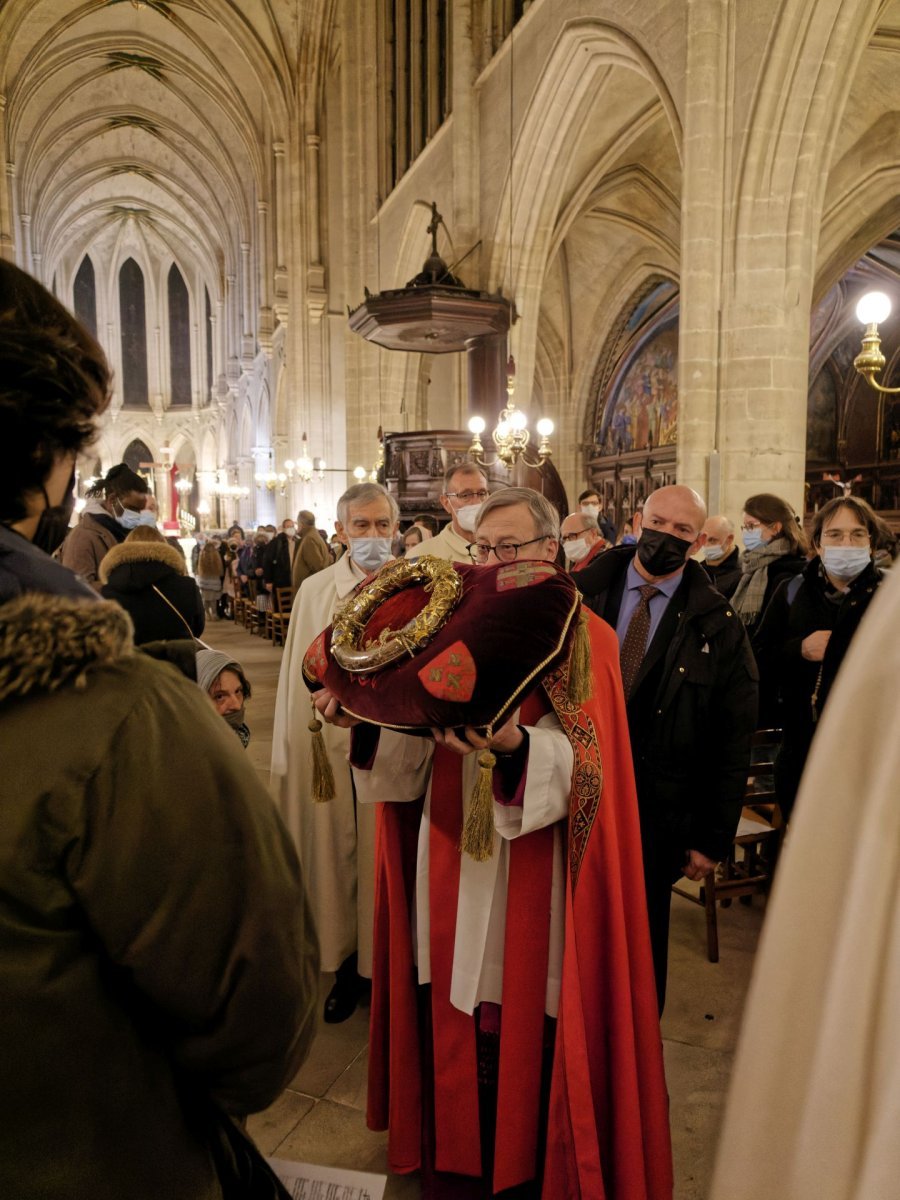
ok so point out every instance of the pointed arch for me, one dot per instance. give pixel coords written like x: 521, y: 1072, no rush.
x: 133, y: 321
x: 84, y: 295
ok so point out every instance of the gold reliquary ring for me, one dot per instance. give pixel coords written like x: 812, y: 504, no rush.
x: 355, y: 652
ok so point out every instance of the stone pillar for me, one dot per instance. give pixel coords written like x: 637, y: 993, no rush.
x: 25, y: 222
x: 313, y: 144
x: 264, y: 258
x: 7, y: 220
x: 246, y: 307
x: 7, y: 241
x: 162, y: 487
x: 702, y: 221
x: 281, y: 204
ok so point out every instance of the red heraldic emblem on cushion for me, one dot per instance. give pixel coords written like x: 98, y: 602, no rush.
x: 511, y: 624
x: 451, y: 675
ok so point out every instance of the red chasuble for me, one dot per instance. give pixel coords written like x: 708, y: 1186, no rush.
x: 608, y: 1134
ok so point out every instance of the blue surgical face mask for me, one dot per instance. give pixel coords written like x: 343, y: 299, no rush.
x: 370, y: 553
x: 753, y: 539
x: 147, y: 517
x: 713, y: 552
x: 129, y: 519
x: 846, y: 562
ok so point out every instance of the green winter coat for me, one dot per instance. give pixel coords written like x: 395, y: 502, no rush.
x: 156, y: 948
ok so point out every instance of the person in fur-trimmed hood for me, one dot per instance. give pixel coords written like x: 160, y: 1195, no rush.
x: 148, y: 578
x: 157, y: 954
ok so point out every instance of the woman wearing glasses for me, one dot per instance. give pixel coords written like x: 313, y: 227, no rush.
x: 775, y: 549
x: 807, y: 628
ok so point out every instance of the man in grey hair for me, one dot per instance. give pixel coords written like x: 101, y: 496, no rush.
x: 335, y: 842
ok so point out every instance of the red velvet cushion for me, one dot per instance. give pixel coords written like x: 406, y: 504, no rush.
x: 512, y: 625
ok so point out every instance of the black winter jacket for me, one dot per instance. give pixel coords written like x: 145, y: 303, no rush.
x: 129, y: 573
x: 788, y: 680
x: 725, y: 574
x: 692, y: 712
x: 277, y: 561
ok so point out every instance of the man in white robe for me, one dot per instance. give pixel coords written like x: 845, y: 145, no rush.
x: 465, y: 490
x: 334, y: 840
x: 814, y: 1109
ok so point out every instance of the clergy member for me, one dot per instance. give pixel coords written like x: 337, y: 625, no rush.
x: 465, y: 490
x: 529, y: 1055
x: 334, y: 840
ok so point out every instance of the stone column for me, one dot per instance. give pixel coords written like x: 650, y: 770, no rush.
x: 264, y: 249
x: 25, y: 222
x: 7, y: 246
x: 7, y: 216
x: 702, y: 223
x: 281, y: 204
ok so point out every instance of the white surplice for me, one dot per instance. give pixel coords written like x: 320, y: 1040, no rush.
x: 335, y: 842
x: 447, y: 545
x: 402, y: 772
x: 814, y: 1108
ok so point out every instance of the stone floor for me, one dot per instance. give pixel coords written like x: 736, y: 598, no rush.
x: 320, y: 1118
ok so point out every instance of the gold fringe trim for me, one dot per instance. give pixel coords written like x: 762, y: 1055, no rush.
x: 322, y: 774
x: 580, y: 683
x: 478, y: 831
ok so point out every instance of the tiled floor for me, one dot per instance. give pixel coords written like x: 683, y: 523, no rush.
x: 320, y: 1118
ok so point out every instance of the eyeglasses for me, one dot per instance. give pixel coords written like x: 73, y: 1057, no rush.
x: 572, y: 537
x: 757, y: 525
x: 841, y: 537
x: 480, y: 552
x: 470, y: 497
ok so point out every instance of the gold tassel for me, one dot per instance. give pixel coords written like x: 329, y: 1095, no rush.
x: 580, y: 684
x: 478, y: 831
x: 322, y: 774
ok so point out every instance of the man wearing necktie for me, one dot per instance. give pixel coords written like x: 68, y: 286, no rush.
x: 690, y: 683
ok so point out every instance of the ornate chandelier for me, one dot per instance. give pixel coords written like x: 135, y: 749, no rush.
x: 303, y: 468
x: 511, y: 435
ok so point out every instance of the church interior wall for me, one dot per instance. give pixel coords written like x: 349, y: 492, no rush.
x: 746, y: 153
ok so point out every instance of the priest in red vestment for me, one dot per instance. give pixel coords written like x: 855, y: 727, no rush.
x: 515, y: 1046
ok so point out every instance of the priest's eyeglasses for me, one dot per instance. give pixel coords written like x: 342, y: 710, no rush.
x: 507, y: 552
x: 470, y: 497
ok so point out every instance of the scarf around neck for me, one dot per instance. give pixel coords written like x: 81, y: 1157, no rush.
x: 750, y: 592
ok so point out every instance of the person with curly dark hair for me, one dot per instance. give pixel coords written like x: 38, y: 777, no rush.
x: 54, y: 383
x: 158, y: 957
x: 116, y: 505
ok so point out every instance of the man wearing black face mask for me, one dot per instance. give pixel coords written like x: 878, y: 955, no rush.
x: 690, y: 685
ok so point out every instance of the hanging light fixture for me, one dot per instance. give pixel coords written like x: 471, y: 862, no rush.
x: 303, y: 468
x: 511, y: 435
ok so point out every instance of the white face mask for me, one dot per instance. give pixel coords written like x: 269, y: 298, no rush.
x: 591, y: 510
x: 291, y: 532
x: 846, y: 562
x: 577, y: 550
x: 466, y: 516
x: 370, y: 553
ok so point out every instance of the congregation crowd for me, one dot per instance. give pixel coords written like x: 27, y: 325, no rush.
x: 163, y: 920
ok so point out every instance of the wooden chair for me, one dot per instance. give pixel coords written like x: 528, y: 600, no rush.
x: 280, y: 613
x: 249, y: 615
x: 239, y: 606
x: 281, y: 618
x: 749, y: 867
